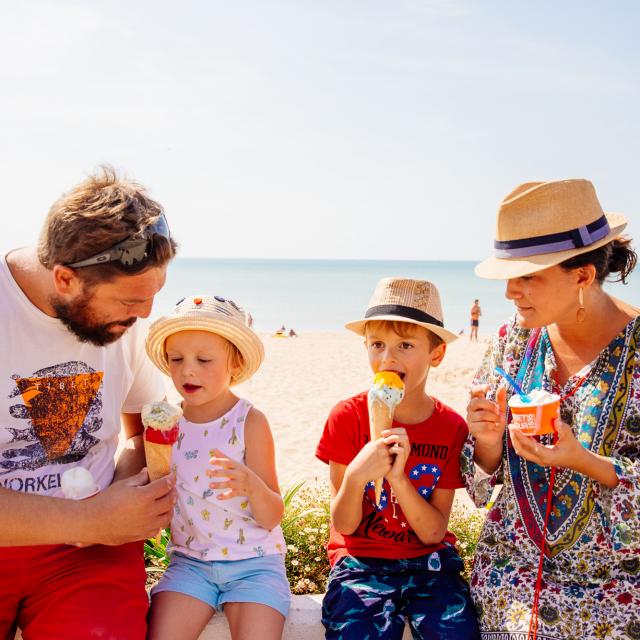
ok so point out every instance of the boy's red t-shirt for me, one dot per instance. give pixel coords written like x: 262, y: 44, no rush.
x: 434, y: 462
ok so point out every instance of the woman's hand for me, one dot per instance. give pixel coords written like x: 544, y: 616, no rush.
x: 486, y: 419
x: 240, y: 480
x: 566, y: 452
x: 397, y: 440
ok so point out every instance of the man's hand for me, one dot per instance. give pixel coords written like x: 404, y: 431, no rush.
x: 129, y: 510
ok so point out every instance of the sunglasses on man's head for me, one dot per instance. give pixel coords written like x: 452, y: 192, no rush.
x: 133, y: 252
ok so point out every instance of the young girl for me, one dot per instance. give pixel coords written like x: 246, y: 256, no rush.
x: 227, y: 548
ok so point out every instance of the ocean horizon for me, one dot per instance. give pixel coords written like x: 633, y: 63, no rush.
x: 321, y: 295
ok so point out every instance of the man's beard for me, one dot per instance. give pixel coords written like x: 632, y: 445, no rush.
x: 79, y: 319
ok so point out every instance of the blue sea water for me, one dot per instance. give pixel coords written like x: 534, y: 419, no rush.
x: 319, y: 295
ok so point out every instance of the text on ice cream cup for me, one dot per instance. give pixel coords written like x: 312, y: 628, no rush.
x: 535, y: 418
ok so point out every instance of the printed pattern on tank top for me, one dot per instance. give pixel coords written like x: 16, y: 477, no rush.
x: 204, y: 527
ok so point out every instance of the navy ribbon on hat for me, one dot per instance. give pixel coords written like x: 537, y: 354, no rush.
x: 577, y: 238
x: 402, y: 312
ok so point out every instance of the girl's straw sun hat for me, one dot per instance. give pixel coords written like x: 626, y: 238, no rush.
x: 207, y: 313
x: 405, y: 300
x: 542, y: 224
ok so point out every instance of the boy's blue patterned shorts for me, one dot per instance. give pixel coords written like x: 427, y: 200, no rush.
x: 369, y: 598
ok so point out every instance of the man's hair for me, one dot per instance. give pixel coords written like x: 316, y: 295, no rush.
x: 405, y: 330
x: 96, y: 214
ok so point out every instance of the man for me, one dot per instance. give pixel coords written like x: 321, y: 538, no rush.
x: 476, y: 312
x: 73, y: 373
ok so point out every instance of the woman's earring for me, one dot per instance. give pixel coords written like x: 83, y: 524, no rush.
x: 580, y: 315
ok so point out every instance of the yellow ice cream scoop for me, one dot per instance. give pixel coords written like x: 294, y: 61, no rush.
x: 388, y: 378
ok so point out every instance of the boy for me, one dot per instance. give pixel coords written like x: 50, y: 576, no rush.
x: 396, y: 560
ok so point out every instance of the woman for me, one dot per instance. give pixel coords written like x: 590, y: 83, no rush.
x: 555, y: 247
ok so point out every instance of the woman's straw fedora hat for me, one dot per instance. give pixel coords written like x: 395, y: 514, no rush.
x: 207, y: 313
x: 405, y: 300
x: 542, y: 224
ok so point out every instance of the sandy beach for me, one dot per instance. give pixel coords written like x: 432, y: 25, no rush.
x: 302, y: 378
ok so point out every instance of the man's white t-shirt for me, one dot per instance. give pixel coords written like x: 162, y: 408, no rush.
x: 61, y: 399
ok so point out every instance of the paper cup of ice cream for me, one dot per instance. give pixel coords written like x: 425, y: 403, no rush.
x: 536, y: 417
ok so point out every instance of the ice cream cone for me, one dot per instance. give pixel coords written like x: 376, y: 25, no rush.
x: 380, y: 418
x: 385, y: 394
x: 158, y: 459
x: 161, y: 430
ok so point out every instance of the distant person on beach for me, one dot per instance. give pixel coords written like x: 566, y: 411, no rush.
x: 559, y: 554
x: 476, y: 312
x: 396, y: 559
x: 227, y: 548
x: 292, y: 333
x: 74, y: 375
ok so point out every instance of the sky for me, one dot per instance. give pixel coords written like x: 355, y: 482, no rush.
x: 352, y: 129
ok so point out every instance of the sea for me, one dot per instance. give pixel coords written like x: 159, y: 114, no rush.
x: 321, y: 295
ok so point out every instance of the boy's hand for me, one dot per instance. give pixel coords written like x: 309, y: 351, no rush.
x: 240, y: 480
x: 372, y: 462
x: 397, y: 440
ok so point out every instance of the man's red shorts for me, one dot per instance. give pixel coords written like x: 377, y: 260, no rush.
x: 59, y: 592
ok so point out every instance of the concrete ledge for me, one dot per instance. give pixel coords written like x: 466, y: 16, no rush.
x: 303, y: 622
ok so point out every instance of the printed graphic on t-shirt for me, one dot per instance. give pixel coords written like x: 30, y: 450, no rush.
x: 391, y: 524
x: 62, y: 407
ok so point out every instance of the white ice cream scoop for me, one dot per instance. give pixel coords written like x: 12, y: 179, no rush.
x: 78, y: 483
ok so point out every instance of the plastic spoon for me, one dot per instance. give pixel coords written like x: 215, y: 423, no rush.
x: 517, y: 388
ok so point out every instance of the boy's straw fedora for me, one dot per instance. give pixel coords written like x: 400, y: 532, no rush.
x: 207, y: 313
x: 405, y: 300
x: 542, y: 224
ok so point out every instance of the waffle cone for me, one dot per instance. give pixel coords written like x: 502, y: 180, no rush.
x: 380, y: 418
x: 158, y: 459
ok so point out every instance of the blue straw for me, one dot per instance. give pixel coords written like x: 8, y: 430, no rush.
x: 517, y: 388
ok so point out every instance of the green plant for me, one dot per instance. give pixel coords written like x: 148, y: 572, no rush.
x: 306, y: 531
x: 467, y: 526
x: 156, y: 559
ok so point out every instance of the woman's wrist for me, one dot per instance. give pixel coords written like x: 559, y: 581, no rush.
x: 596, y: 467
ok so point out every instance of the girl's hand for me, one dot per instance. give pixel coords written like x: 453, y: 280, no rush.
x: 567, y: 452
x: 240, y: 480
x: 487, y: 420
x: 372, y: 462
x: 398, y: 442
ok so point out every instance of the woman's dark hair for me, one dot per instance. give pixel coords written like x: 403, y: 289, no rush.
x: 616, y: 257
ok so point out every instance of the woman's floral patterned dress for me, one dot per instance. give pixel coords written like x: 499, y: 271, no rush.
x: 591, y: 575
